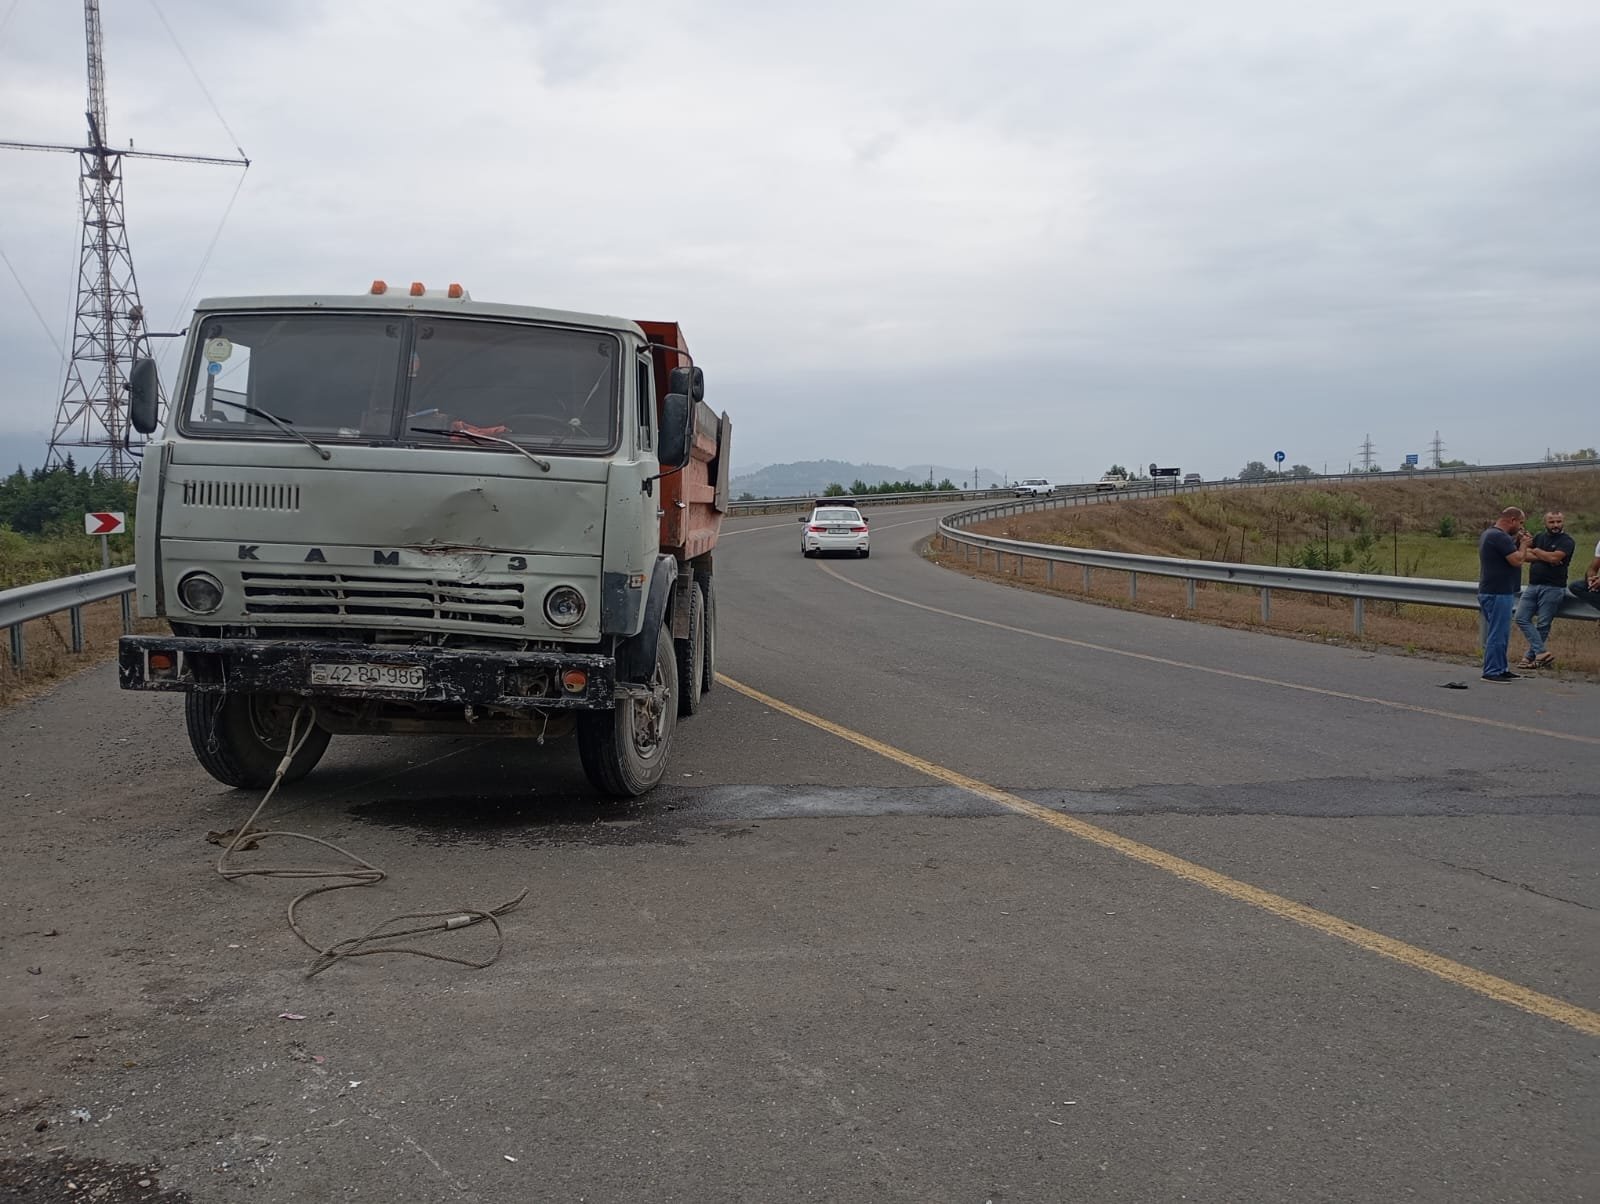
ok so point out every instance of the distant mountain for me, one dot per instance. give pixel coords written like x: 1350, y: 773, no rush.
x: 807, y: 477
x: 26, y: 448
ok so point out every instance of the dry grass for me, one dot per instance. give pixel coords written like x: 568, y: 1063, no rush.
x: 47, y: 648
x: 1241, y: 525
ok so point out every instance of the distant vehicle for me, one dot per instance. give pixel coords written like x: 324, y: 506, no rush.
x: 1112, y: 480
x: 834, y: 528
x: 1192, y: 478
x: 1034, y: 487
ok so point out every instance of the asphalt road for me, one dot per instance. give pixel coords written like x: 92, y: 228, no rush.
x: 904, y: 958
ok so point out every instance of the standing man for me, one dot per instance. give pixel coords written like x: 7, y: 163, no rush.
x: 1588, y: 590
x: 1550, y: 556
x: 1502, y: 551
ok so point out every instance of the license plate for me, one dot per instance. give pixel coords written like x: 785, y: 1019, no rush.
x: 838, y: 530
x: 367, y: 677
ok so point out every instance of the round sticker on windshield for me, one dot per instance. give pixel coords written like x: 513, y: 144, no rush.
x: 213, y: 367
x: 218, y: 350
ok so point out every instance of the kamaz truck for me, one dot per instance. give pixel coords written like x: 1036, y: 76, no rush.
x: 407, y: 511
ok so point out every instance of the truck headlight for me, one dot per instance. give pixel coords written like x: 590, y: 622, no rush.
x: 200, y: 592
x: 564, y: 606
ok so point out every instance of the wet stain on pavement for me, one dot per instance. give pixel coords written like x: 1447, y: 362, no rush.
x: 671, y: 814
x: 62, y: 1176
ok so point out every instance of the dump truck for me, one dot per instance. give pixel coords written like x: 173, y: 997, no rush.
x: 406, y: 511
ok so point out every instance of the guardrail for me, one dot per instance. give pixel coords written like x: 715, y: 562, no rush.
x: 1146, y: 487
x: 70, y: 594
x: 1360, y: 587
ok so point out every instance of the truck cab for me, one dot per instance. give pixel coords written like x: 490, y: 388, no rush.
x: 414, y: 512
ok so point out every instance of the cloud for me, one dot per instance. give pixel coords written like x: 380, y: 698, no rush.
x: 898, y: 232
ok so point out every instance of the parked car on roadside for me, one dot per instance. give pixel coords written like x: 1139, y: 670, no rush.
x: 834, y: 528
x: 1034, y: 487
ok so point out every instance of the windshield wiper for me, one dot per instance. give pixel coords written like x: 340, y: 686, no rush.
x: 282, y: 424
x: 516, y: 447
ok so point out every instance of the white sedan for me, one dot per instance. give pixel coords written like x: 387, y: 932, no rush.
x: 834, y: 529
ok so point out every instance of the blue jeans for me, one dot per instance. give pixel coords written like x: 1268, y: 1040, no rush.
x: 1496, y: 612
x: 1536, y: 610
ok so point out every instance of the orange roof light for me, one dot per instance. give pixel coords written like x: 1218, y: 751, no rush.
x: 416, y: 288
x: 454, y: 292
x: 379, y: 288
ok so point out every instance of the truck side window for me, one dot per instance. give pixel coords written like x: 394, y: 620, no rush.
x: 647, y: 406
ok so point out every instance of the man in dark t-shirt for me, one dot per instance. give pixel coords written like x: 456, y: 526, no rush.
x: 1501, y: 555
x: 1551, y: 554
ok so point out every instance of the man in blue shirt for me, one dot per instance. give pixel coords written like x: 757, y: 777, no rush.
x: 1550, y: 555
x: 1502, y: 551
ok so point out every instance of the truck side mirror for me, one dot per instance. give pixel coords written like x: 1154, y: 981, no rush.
x: 144, y: 396
x: 688, y: 380
x: 677, y: 413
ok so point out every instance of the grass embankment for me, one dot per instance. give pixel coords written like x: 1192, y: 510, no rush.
x: 1419, y: 528
x: 47, y: 643
x: 25, y: 559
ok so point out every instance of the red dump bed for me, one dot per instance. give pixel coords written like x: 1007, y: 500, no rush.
x: 690, y: 529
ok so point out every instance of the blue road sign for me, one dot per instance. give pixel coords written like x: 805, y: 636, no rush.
x: 1279, y: 457
x: 1411, y: 457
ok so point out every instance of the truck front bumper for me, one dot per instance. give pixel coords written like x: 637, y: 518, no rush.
x: 525, y: 681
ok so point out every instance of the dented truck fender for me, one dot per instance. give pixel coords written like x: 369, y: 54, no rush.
x: 636, y: 656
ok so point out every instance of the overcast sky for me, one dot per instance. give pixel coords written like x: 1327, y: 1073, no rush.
x: 1036, y: 237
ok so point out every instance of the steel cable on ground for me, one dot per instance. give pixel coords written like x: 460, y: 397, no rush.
x: 364, y: 874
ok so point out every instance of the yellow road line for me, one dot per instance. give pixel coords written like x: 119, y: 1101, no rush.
x: 1414, y: 708
x: 1503, y: 990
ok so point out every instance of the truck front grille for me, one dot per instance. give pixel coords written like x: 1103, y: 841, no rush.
x: 367, y: 596
x: 241, y: 495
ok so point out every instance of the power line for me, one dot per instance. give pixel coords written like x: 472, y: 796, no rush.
x: 49, y: 334
x: 200, y: 83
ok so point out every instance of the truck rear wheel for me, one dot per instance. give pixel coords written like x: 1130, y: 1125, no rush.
x: 692, y: 653
x: 624, y: 750
x: 240, y: 738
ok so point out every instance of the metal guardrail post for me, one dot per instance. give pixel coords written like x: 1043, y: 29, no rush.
x: 127, y: 614
x: 75, y: 619
x: 1189, y: 591
x: 1266, y: 605
x: 1133, y: 587
x: 1049, y: 572
x: 1358, y: 616
x: 1088, y: 579
x: 16, y: 646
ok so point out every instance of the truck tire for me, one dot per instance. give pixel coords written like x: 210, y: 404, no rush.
x: 709, y: 678
x: 240, y: 738
x: 624, y: 750
x: 692, y: 653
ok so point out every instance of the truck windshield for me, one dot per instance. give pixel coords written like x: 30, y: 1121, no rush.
x: 377, y: 378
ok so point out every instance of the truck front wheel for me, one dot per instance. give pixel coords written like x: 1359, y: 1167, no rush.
x: 240, y: 738
x: 624, y: 750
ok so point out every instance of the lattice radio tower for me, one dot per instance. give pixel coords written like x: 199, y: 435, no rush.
x: 109, y: 332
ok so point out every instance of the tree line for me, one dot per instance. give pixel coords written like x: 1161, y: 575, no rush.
x: 53, y: 501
